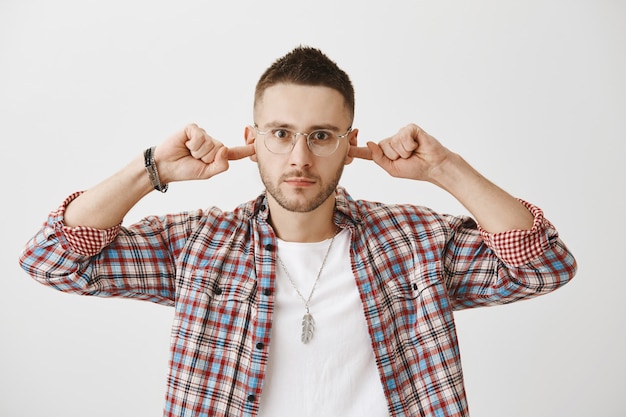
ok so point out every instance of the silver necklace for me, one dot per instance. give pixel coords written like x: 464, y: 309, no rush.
x: 308, y: 324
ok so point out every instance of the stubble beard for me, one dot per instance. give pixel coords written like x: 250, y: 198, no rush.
x: 295, y: 205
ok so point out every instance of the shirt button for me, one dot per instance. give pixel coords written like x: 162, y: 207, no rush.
x: 269, y: 247
x: 267, y: 292
x: 251, y: 398
x: 262, y: 207
x: 260, y: 345
x: 217, y: 291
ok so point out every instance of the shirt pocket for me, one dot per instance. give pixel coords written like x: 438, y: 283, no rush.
x: 214, y: 307
x: 221, y: 287
x: 413, y: 286
x: 214, y: 313
x: 421, y: 312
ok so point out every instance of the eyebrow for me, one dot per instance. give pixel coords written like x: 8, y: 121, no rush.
x: 277, y: 123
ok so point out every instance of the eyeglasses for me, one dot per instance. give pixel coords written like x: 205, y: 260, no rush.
x: 321, y: 142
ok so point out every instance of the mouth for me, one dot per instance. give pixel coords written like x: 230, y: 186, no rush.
x: 299, y: 181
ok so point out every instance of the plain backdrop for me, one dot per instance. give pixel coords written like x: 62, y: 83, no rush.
x: 532, y: 93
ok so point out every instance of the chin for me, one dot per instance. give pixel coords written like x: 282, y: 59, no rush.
x: 300, y: 203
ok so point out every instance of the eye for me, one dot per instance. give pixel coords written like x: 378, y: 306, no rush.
x: 282, y: 134
x: 321, y: 135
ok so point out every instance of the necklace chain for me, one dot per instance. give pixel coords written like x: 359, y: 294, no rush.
x: 308, y: 324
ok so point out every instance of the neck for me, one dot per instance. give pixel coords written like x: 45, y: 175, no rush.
x: 313, y: 226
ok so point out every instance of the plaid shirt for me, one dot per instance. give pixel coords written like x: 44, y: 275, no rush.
x: 412, y: 266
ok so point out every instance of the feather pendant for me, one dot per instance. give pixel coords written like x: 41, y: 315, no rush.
x: 308, y: 326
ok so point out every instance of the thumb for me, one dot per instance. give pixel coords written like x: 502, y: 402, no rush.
x: 219, y: 164
x: 377, y: 154
x: 379, y: 157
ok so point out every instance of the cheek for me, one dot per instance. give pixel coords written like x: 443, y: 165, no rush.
x: 341, y: 159
x: 267, y: 167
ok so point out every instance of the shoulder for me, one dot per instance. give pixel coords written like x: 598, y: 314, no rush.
x: 241, y: 214
x: 368, y: 211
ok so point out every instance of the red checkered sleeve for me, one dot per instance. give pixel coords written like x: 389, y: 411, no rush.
x: 518, y: 247
x: 86, y: 241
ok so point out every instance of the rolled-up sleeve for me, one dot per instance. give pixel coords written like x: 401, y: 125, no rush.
x: 115, y: 262
x: 496, y: 268
x: 82, y: 240
x: 518, y: 247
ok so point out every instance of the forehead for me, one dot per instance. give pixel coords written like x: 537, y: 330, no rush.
x: 302, y: 105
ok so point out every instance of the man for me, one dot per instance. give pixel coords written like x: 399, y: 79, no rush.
x: 305, y: 301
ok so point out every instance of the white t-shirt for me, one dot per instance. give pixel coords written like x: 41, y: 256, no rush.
x: 334, y: 374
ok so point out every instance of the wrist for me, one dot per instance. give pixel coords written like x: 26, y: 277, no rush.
x: 452, y: 173
x: 152, y: 170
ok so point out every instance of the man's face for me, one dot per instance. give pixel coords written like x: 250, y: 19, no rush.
x: 300, y: 181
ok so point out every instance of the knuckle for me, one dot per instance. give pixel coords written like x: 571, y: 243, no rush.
x: 190, y: 128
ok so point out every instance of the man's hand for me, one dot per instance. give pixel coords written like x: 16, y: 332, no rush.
x: 192, y: 154
x: 411, y: 153
x: 414, y: 154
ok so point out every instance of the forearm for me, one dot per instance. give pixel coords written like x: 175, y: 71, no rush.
x: 493, y: 208
x: 190, y: 154
x: 105, y: 205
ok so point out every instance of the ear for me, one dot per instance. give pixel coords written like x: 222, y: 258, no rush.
x: 352, y: 141
x: 250, y: 137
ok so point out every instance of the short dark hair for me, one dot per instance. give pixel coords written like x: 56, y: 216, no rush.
x: 307, y: 66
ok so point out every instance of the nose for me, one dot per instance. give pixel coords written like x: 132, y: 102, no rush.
x: 300, y: 154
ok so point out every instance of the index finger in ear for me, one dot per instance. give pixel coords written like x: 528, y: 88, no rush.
x: 360, y: 152
x: 240, y: 152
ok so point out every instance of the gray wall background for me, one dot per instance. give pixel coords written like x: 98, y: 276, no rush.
x: 532, y: 93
